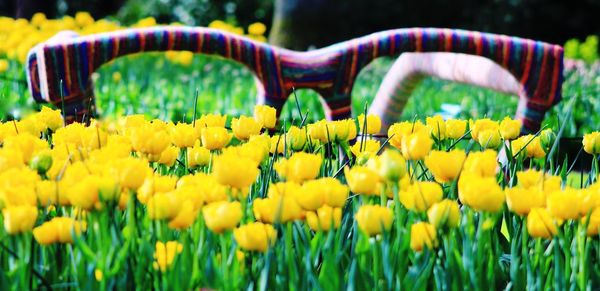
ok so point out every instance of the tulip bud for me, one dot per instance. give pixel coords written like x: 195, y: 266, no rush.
x: 547, y: 138
x: 41, y: 162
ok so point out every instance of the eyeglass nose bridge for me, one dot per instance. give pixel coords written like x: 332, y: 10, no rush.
x: 60, y: 69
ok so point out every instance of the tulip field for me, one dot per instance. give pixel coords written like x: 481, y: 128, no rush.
x: 170, y: 189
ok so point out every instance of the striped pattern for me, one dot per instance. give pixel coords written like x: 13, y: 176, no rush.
x: 331, y: 71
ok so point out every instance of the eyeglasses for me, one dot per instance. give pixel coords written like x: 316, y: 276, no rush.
x: 59, y: 70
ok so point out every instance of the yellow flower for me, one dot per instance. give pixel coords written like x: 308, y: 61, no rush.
x: 4, y: 65
x: 184, y: 135
x: 266, y: 116
x: 295, y: 138
x: 19, y: 219
x: 481, y: 125
x: 436, y: 126
x: 130, y: 172
x: 398, y: 131
x: 362, y: 180
x: 169, y: 156
x: 163, y: 206
x: 244, y: 127
x: 312, y: 195
x: 214, y: 138
x: 591, y: 143
x: 489, y: 139
x: 165, y: 253
x: 255, y: 236
x: 277, y: 209
x: 589, y: 199
x: 481, y: 163
x: 480, y: 193
x: 235, y: 171
x: 198, y: 156
x: 390, y: 165
x: 455, y: 128
x: 510, y: 128
x: 422, y: 234
x: 531, y: 144
x: 299, y: 167
x: 340, y: 130
x: 445, y: 166
x: 257, y: 28
x: 416, y: 146
x: 84, y: 193
x: 369, y: 147
x: 59, y: 229
x: 222, y: 215
x: 41, y: 162
x: 522, y: 200
x: 564, y: 204
x: 540, y: 224
x: 27, y: 144
x: 324, y: 219
x: 374, y: 219
x: 421, y: 195
x: 148, y: 140
x: 155, y: 184
x: 211, y: 120
x: 186, y: 216
x: 373, y: 123
x: 277, y: 144
x: 444, y: 213
x: 318, y: 131
x: 593, y: 222
x: 51, y: 118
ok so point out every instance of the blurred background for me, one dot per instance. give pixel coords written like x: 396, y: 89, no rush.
x: 301, y: 24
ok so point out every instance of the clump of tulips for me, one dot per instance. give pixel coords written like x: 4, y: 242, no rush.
x: 332, y: 204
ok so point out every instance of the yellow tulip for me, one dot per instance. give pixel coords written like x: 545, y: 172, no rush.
x: 593, y: 223
x: 18, y: 219
x: 235, y: 171
x: 481, y: 125
x: 373, y: 123
x: 335, y: 193
x: 416, y: 146
x: 444, y: 213
x: 130, y: 172
x: 564, y: 204
x: 374, y: 219
x: 455, y: 128
x: 299, y: 167
x: 390, y: 165
x: 591, y: 143
x: 186, y: 216
x: 312, y: 195
x: 510, y: 128
x: 266, y: 116
x: 481, y: 163
x: 480, y: 193
x: 295, y: 138
x: 277, y: 144
x: 369, y: 147
x: 362, y: 180
x: 421, y: 195
x: 541, y: 224
x: 52, y: 119
x: 398, y: 131
x: 221, y: 216
x: 436, y: 126
x: 244, y: 127
x: 324, y: 218
x: 422, y: 234
x: 210, y: 120
x: 155, y: 184
x: 489, y: 139
x: 214, y: 138
x: 255, y: 236
x: 146, y: 140
x: 198, y: 156
x: 59, y: 229
x: 528, y: 145
x: 169, y: 156
x: 522, y: 200
x: 184, y: 135
x: 165, y: 253
x: 445, y: 166
x: 277, y: 209
x: 163, y: 206
x: 84, y: 193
